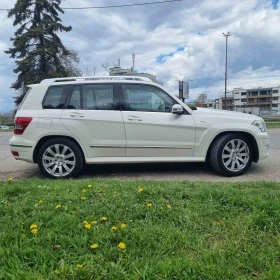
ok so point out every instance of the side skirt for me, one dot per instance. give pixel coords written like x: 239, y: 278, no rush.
x: 97, y: 160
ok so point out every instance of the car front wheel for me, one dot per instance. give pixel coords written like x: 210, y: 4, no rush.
x: 60, y: 158
x: 231, y: 154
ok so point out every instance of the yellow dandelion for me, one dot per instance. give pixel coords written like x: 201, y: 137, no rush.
x: 122, y: 245
x: 89, y: 186
x: 104, y: 219
x: 140, y: 190
x: 94, y: 222
x: 10, y: 179
x: 83, y: 198
x: 34, y: 231
x: 149, y: 204
x: 33, y: 226
x: 41, y: 201
x: 123, y: 225
x: 168, y: 206
x: 58, y: 206
x: 85, y: 222
x: 84, y: 190
x: 79, y: 266
x: 114, y: 228
x: 87, y: 226
x: 94, y: 246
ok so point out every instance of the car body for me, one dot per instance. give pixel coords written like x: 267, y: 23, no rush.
x: 66, y: 122
x: 4, y: 127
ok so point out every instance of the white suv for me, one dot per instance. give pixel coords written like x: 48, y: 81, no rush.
x: 66, y: 122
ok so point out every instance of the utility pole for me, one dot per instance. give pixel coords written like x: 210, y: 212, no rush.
x: 226, y: 35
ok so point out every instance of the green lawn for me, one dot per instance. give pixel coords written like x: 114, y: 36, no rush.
x: 272, y: 124
x: 113, y: 229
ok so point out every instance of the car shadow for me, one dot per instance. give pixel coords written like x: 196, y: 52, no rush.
x: 137, y: 170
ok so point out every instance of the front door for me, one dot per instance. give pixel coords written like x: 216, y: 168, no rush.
x: 151, y: 128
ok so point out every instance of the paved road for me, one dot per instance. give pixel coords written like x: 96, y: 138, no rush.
x: 267, y: 170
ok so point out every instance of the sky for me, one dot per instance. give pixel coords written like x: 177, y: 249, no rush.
x: 174, y: 41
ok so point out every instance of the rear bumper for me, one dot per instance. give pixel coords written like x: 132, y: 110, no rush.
x: 24, y: 148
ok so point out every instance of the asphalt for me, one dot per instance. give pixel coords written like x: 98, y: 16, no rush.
x: 266, y: 170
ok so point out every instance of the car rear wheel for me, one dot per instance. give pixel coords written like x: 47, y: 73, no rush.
x: 60, y: 158
x: 231, y: 154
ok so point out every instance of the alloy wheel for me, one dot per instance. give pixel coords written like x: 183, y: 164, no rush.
x: 235, y: 155
x: 59, y: 160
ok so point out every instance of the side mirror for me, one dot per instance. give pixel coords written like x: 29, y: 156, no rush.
x: 177, y: 109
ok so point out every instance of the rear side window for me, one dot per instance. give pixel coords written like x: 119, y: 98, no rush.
x: 92, y: 97
x: 54, y: 98
x: 98, y: 97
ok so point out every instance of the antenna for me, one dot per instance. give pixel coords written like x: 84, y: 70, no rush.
x: 133, y: 60
x: 119, y: 63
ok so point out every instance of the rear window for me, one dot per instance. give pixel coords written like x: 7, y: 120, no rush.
x: 54, y: 98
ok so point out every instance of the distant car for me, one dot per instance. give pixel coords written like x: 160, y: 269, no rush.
x: 4, y: 127
x: 64, y: 123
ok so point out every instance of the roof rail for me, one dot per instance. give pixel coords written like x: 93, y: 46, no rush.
x: 95, y: 78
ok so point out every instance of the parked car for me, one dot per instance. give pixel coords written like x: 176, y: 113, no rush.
x: 65, y: 123
x: 4, y: 127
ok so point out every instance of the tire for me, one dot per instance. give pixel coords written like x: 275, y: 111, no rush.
x: 60, y: 158
x: 231, y: 154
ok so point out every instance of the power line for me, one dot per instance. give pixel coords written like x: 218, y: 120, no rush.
x: 114, y: 6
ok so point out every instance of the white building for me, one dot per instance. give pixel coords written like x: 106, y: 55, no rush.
x: 258, y: 101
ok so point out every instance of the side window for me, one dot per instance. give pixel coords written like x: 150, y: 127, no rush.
x: 75, y: 100
x: 147, y: 99
x: 54, y: 98
x: 98, y: 97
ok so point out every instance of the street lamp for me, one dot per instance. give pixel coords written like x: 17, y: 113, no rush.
x: 226, y: 35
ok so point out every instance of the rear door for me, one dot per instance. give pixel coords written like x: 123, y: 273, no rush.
x: 151, y: 128
x: 92, y: 115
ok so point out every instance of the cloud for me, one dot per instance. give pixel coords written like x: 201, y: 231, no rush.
x: 181, y: 40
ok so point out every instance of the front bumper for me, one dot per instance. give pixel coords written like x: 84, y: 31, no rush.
x: 263, y: 145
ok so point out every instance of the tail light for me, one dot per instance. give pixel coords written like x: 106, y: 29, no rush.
x: 21, y: 123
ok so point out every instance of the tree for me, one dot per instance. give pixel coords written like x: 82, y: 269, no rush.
x: 37, y: 49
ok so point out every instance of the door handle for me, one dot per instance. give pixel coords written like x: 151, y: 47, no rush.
x: 76, y: 115
x: 134, y: 118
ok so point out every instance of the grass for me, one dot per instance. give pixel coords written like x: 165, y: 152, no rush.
x: 272, y: 123
x: 171, y: 230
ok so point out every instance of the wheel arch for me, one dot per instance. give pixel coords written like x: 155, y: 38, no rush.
x: 247, y: 134
x: 48, y: 137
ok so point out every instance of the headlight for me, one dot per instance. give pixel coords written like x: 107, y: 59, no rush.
x: 260, y: 125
